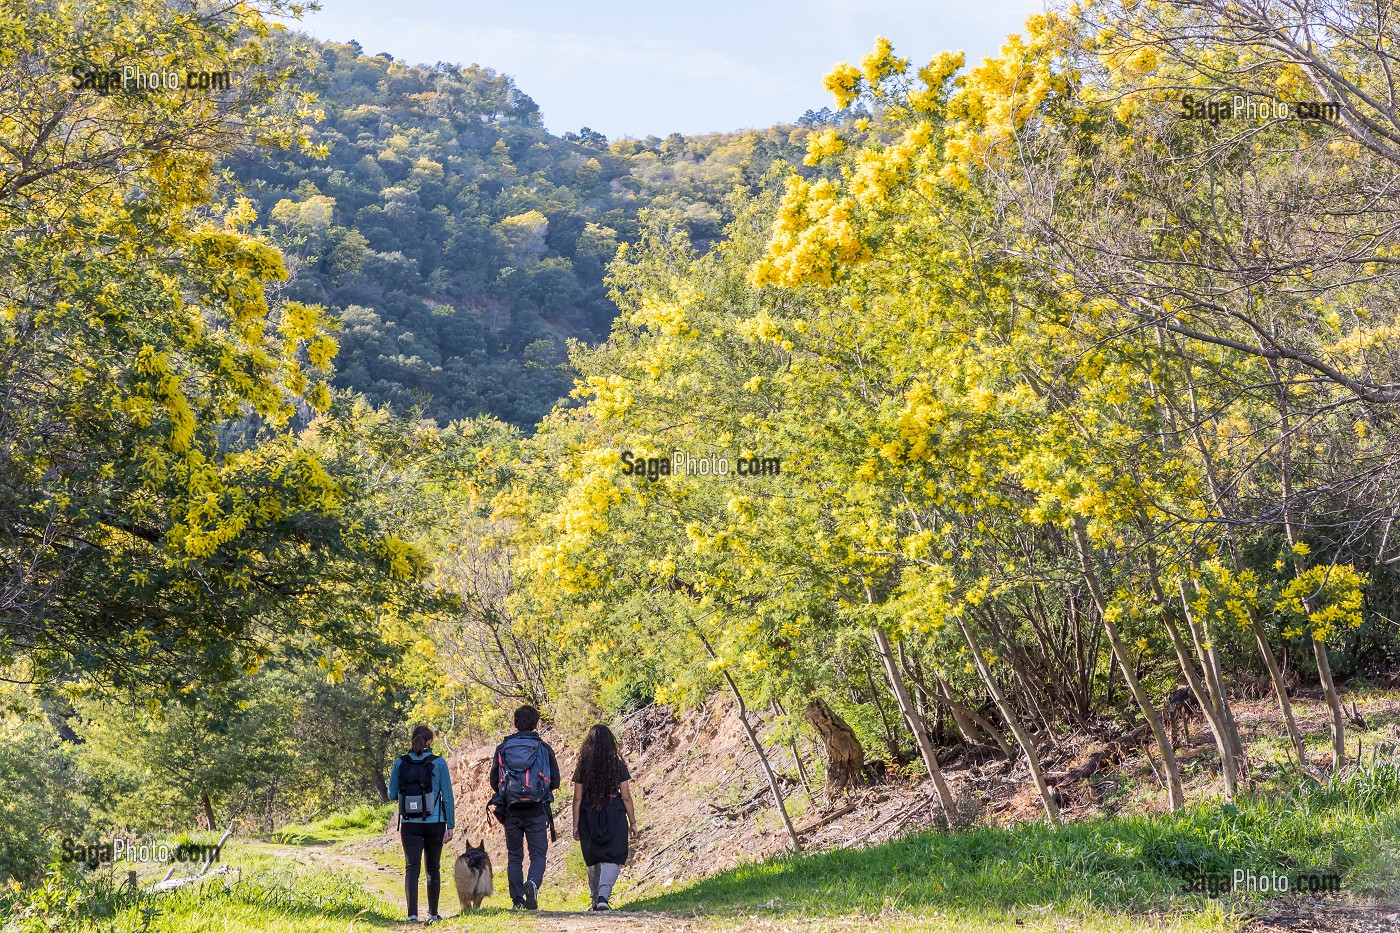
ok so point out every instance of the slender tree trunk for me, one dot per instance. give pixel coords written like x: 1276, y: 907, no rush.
x: 1023, y: 738
x: 382, y: 789
x: 916, y: 725
x: 1334, y: 703
x: 927, y: 703
x: 1015, y: 659
x: 1261, y: 639
x: 1324, y: 668
x: 1208, y: 699
x: 208, y: 806
x: 891, y: 740
x: 802, y: 774
x: 1205, y: 649
x: 794, y: 840
x: 1084, y: 671
x: 921, y: 707
x: 969, y: 719
x: 1149, y: 712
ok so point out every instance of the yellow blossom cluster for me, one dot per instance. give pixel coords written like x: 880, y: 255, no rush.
x: 997, y: 98
x: 814, y: 236
x: 1324, y: 600
x: 881, y: 63
x: 843, y: 82
x: 821, y: 146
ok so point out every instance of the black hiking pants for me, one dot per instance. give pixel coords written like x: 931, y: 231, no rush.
x: 531, y: 829
x: 419, y: 840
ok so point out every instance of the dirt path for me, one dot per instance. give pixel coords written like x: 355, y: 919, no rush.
x: 374, y: 876
x: 1327, y: 915
x: 631, y: 922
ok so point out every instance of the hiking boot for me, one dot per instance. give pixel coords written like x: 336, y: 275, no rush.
x: 602, y: 904
x: 517, y: 904
x: 532, y: 899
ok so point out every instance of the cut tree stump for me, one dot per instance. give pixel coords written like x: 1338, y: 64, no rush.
x: 845, y: 759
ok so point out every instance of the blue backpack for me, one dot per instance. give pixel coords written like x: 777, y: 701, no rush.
x: 525, y: 775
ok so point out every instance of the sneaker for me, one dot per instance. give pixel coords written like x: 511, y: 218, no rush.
x: 532, y: 898
x: 412, y: 918
x: 517, y: 904
x: 435, y: 918
x: 602, y: 904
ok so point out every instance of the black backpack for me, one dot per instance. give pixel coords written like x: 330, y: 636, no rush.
x: 417, y: 798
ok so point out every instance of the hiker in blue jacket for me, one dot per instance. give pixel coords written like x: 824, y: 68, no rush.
x: 525, y: 775
x: 421, y: 784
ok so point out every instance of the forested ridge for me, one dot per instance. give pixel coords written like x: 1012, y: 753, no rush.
x: 461, y: 245
x: 1065, y: 419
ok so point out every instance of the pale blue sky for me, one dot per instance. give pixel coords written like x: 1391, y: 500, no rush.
x: 628, y: 67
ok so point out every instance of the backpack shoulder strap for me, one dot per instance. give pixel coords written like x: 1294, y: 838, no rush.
x: 545, y: 754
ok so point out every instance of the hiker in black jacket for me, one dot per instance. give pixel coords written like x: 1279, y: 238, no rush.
x: 604, y: 814
x: 525, y: 774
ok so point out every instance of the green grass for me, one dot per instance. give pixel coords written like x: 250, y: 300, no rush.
x: 1093, y: 869
x: 361, y: 823
x: 279, y: 896
x: 1118, y: 874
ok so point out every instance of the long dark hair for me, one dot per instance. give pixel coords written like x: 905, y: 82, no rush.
x: 422, y: 739
x: 599, y: 766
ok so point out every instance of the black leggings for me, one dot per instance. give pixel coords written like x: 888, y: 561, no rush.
x: 420, y: 839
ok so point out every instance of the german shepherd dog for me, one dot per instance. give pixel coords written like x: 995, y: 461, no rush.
x: 472, y: 875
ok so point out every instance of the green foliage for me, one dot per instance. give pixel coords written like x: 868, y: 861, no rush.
x: 156, y: 513
x: 286, y: 742
x: 71, y: 901
x: 45, y: 801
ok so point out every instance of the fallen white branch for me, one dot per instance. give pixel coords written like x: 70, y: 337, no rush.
x: 169, y: 884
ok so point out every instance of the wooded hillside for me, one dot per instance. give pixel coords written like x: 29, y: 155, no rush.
x: 459, y: 243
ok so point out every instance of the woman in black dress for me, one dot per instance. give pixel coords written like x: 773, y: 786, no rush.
x: 603, y: 812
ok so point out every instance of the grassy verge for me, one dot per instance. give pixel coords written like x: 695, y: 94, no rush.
x: 360, y: 823
x: 1096, y: 869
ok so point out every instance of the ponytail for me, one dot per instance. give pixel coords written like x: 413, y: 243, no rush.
x: 422, y: 739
